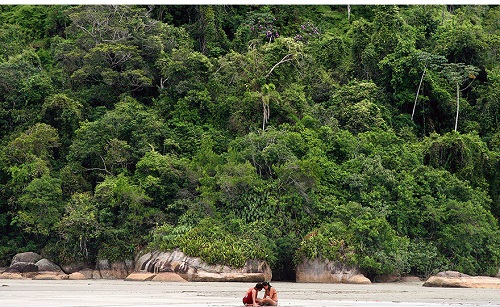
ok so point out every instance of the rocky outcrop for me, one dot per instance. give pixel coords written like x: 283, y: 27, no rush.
x: 193, y: 269
x: 453, y: 279
x: 113, y: 270
x: 157, y: 266
x: 325, y: 271
x: 33, y: 266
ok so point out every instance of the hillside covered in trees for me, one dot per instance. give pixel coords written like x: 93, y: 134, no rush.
x: 364, y: 134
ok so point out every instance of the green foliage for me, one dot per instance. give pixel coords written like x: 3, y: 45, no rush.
x: 39, y: 207
x: 229, y: 242
x: 268, y: 132
x: 117, y: 140
x: 459, y: 39
x: 357, y: 236
x: 463, y: 154
x: 164, y: 178
x: 37, y: 142
x: 78, y: 230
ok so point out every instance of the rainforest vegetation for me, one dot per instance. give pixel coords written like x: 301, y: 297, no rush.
x: 363, y: 134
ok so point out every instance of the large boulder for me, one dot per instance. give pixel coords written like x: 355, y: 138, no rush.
x: 321, y: 270
x: 193, y: 269
x: 113, y: 270
x: 28, y: 257
x: 359, y: 279
x: 454, y: 279
x: 22, y: 267
x: 45, y: 265
x: 24, y: 263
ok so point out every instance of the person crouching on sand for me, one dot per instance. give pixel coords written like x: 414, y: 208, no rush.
x: 251, y: 298
x: 270, y: 296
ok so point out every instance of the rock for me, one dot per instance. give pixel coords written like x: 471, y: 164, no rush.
x: 96, y: 274
x: 50, y: 276
x: 410, y: 279
x: 453, y: 279
x: 325, y: 271
x: 76, y: 276
x: 104, y: 268
x: 358, y: 279
x: 169, y: 277
x: 29, y: 275
x: 75, y: 267
x: 28, y: 257
x: 45, y: 265
x: 114, y: 270
x: 140, y: 276
x: 193, y: 269
x: 86, y: 272
x: 22, y: 267
x: 451, y: 274
x: 5, y: 275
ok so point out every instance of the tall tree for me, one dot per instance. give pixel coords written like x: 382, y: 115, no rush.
x: 457, y: 74
x: 112, y: 50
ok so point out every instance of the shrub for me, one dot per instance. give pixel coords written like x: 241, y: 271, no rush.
x: 362, y: 238
x: 230, y: 243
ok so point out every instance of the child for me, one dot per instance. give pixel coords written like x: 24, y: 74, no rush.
x: 250, y: 298
x: 270, y: 296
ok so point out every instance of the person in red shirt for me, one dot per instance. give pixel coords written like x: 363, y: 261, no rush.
x: 251, y: 298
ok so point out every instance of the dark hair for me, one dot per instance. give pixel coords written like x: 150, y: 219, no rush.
x: 259, y: 286
x: 265, y: 283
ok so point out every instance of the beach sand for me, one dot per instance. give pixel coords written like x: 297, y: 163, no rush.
x: 116, y: 293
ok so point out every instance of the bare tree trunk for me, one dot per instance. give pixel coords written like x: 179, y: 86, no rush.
x: 418, y: 91
x: 265, y: 119
x: 458, y: 106
x: 348, y: 12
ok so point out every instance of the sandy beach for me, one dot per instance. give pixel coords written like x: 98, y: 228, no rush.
x: 114, y: 293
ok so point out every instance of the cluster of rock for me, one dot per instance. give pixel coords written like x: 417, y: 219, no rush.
x: 175, y: 266
x: 156, y: 266
x: 33, y: 266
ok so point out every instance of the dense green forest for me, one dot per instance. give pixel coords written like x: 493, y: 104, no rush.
x: 363, y: 134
